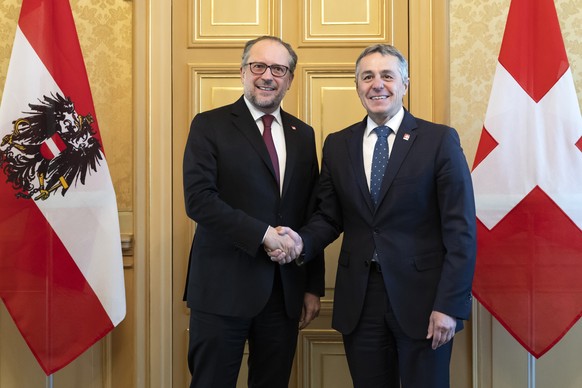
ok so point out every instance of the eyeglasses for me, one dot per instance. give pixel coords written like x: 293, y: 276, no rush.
x: 259, y: 68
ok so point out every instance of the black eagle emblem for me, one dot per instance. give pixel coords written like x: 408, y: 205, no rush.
x: 51, y: 147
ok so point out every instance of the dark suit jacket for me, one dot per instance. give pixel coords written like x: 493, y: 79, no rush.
x: 231, y: 192
x: 423, y: 229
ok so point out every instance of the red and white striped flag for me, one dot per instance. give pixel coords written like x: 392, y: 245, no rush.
x: 61, y: 270
x: 528, y: 184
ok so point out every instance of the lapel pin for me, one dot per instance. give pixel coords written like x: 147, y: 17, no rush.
x: 406, y: 136
x: 293, y: 127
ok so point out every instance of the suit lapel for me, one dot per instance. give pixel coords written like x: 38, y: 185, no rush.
x: 243, y: 121
x: 402, y: 144
x: 293, y: 147
x: 354, y: 143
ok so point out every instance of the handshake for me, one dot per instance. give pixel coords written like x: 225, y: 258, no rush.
x: 283, y: 244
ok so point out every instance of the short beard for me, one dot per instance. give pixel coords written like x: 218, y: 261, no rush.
x: 266, y: 105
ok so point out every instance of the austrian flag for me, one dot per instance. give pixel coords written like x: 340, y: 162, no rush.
x: 528, y: 184
x: 61, y: 272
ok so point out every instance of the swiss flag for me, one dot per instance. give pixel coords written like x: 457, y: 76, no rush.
x: 61, y: 272
x: 528, y: 184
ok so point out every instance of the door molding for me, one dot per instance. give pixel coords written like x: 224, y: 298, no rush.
x: 152, y: 123
x: 153, y: 159
x: 429, y: 88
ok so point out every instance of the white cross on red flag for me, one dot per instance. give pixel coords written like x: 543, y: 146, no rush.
x: 528, y: 184
x: 61, y: 270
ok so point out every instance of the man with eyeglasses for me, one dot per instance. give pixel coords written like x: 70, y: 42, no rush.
x: 248, y: 167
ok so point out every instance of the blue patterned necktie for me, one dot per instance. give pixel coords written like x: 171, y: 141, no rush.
x: 379, y: 162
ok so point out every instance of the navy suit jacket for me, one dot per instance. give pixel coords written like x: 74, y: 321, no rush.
x: 423, y: 228
x: 232, y: 194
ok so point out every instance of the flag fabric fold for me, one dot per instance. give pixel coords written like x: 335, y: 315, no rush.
x: 528, y: 187
x: 61, y: 269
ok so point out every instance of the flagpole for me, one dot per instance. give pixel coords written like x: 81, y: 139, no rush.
x: 531, y: 371
x: 49, y: 381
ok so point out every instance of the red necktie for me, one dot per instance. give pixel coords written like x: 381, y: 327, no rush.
x: 268, y: 138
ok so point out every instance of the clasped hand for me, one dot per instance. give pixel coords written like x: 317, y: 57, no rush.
x: 283, y: 244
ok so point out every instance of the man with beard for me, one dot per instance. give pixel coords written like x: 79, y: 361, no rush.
x: 248, y: 167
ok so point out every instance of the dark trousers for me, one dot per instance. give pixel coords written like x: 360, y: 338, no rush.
x: 217, y: 344
x: 380, y: 355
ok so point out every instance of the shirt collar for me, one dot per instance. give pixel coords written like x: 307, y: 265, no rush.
x: 393, y: 123
x: 257, y: 114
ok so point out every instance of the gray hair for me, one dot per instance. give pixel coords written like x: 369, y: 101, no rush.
x: 251, y: 43
x: 385, y: 50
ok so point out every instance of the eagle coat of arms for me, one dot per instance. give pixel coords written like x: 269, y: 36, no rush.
x: 50, y: 148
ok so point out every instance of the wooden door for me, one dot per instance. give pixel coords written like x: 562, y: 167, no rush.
x: 328, y: 36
